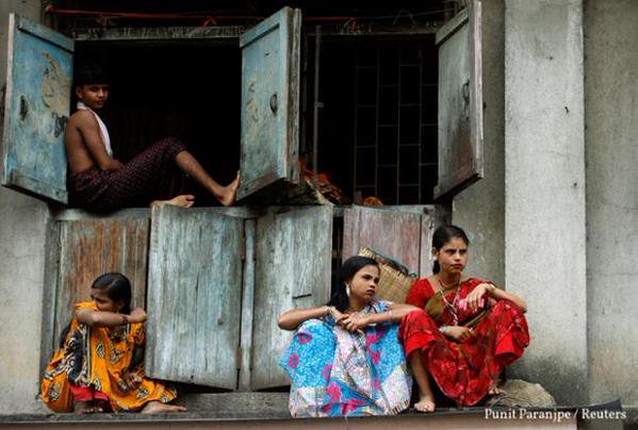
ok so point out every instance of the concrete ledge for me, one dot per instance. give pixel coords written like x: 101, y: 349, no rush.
x: 269, y: 411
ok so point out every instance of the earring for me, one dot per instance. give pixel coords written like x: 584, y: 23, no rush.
x: 348, y: 290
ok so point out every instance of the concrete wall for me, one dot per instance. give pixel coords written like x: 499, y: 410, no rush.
x: 22, y: 232
x: 480, y: 209
x: 611, y: 70
x: 545, y: 251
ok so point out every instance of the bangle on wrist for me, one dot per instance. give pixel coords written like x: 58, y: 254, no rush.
x: 443, y: 329
x: 390, y: 314
x: 125, y: 319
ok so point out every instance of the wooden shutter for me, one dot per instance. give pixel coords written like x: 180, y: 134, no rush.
x: 39, y: 79
x: 81, y: 249
x: 292, y: 269
x: 405, y: 236
x: 460, y: 102
x: 270, y: 102
x: 194, y: 296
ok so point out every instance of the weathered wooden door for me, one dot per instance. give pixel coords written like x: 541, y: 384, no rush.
x: 403, y: 235
x: 81, y: 249
x: 270, y: 102
x: 38, y: 91
x: 460, y: 101
x: 194, y: 296
x: 292, y: 269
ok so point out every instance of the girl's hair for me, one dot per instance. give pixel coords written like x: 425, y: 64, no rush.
x: 117, y: 287
x: 349, y: 268
x: 443, y: 235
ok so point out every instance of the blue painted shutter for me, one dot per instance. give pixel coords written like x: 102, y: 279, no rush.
x: 270, y: 102
x: 460, y: 102
x: 39, y: 79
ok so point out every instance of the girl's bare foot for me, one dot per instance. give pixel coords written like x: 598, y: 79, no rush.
x: 161, y: 408
x: 228, y: 194
x: 86, y: 407
x: 183, y: 201
x: 425, y: 404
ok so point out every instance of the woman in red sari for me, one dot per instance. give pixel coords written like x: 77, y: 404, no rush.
x: 468, y: 331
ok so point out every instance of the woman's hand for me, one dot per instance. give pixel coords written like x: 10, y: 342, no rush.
x: 132, y: 378
x: 477, y: 299
x: 334, y: 313
x: 457, y: 332
x: 353, y: 322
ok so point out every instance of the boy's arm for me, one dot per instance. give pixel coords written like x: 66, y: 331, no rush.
x: 89, y: 130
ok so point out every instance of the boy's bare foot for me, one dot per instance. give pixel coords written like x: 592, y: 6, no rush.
x: 183, y: 201
x: 229, y: 192
x: 161, y: 408
x: 425, y: 404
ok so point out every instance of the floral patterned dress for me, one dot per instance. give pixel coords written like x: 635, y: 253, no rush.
x: 335, y: 372
x: 464, y: 371
x: 99, y: 358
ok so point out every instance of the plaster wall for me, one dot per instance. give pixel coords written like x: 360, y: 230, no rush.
x: 611, y: 69
x: 480, y: 209
x: 545, y: 232
x: 22, y: 233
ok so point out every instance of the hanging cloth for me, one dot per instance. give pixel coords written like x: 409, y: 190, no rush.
x: 104, y: 133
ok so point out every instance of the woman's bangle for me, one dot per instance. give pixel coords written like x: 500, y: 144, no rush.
x: 125, y: 319
x: 390, y: 314
x: 443, y: 329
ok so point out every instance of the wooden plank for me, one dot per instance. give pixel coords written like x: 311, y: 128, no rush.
x: 460, y: 102
x: 270, y: 102
x: 391, y: 232
x: 51, y: 269
x: 247, y: 307
x: 194, y: 296
x: 38, y: 92
x: 293, y: 269
x: 91, y: 247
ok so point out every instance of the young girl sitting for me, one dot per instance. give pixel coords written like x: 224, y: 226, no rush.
x: 345, y: 358
x: 99, y: 366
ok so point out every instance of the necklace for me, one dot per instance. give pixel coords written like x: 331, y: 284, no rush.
x: 451, y: 306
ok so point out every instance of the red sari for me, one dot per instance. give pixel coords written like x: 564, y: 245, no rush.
x: 464, y: 371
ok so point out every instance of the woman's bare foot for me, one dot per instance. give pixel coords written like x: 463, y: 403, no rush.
x: 495, y: 390
x: 86, y: 408
x: 425, y: 404
x: 228, y: 193
x: 161, y: 408
x: 183, y: 201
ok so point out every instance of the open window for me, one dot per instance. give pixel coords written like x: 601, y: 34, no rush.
x: 252, y: 99
x: 399, y: 113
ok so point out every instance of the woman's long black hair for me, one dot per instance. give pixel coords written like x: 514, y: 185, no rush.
x: 349, y: 268
x: 443, y: 235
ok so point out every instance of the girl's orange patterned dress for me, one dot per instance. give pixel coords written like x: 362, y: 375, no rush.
x: 101, y: 358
